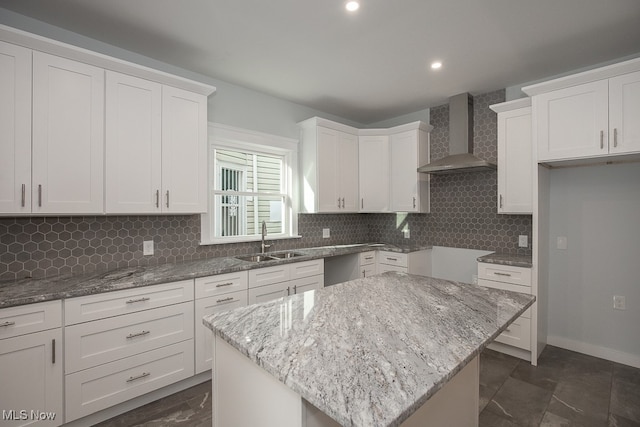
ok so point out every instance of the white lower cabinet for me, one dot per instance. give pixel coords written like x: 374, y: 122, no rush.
x: 266, y: 284
x: 31, y: 365
x: 367, y: 264
x: 516, y: 279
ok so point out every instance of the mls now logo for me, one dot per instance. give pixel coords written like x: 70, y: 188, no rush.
x: 24, y: 415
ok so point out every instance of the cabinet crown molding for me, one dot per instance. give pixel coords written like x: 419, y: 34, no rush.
x: 54, y: 47
x: 588, y: 76
x: 511, y: 105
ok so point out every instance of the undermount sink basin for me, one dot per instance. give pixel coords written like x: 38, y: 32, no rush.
x: 256, y: 258
x: 285, y: 255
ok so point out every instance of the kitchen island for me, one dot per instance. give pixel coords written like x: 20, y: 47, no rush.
x: 388, y: 350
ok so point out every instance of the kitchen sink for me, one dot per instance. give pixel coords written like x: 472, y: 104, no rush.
x: 285, y: 255
x: 256, y: 258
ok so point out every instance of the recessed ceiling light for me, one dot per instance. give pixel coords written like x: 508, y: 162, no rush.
x: 352, y: 5
x: 436, y: 65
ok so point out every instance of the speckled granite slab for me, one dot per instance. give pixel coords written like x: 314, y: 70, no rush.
x: 370, y: 352
x: 29, y: 291
x: 507, y: 259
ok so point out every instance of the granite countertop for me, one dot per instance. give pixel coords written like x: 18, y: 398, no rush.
x: 29, y: 291
x: 507, y: 259
x: 370, y: 352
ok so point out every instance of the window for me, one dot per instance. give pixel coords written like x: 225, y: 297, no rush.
x: 250, y: 182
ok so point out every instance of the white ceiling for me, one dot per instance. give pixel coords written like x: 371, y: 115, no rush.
x: 367, y: 66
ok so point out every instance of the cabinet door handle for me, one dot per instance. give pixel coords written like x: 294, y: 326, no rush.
x: 224, y: 300
x: 139, y: 377
x: 53, y: 351
x: 343, y: 202
x: 167, y: 198
x: 368, y: 257
x: 392, y: 259
x: 295, y: 289
x: 138, y: 334
x: 362, y: 203
x: 39, y: 195
x: 601, y: 139
x: 220, y: 285
x: 24, y: 191
x: 364, y: 273
x: 615, y: 137
x: 414, y: 202
x: 338, y: 202
x: 157, y: 198
x: 288, y: 291
x: 143, y: 299
x: 497, y: 273
x: 5, y: 324
x: 501, y: 201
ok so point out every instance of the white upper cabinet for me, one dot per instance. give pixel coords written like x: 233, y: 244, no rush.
x: 68, y: 136
x: 133, y: 144
x: 15, y: 129
x: 184, y: 151
x: 515, y: 157
x: 588, y: 115
x: 409, y: 190
x: 373, y: 168
x: 329, y: 167
x: 624, y: 113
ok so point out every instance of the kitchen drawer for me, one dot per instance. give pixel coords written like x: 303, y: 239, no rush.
x: 508, y: 287
x: 221, y: 284
x: 382, y: 268
x: 306, y: 269
x: 367, y: 270
x: 517, y: 334
x: 29, y: 318
x: 393, y: 258
x: 108, y: 304
x: 268, y: 275
x: 204, y: 335
x: 504, y: 273
x: 269, y: 292
x: 304, y: 284
x: 101, y: 341
x: 367, y: 258
x: 106, y: 385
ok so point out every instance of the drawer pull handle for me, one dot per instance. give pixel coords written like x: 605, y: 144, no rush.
x: 368, y: 257
x: 5, y: 324
x: 24, y: 189
x: 602, y: 140
x: 219, y: 285
x: 497, y: 273
x: 392, y: 259
x: 139, y: 377
x: 138, y: 334
x: 133, y: 301
x: 53, y: 351
x: 225, y: 300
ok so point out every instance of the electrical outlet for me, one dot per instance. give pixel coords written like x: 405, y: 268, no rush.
x: 561, y: 242
x: 147, y: 247
x: 326, y: 233
x: 619, y: 302
x: 523, y: 241
x: 406, y: 233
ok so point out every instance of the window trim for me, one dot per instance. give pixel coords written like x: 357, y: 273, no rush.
x: 229, y: 137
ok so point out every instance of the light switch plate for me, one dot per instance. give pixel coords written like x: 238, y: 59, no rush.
x: 561, y: 242
x: 326, y: 233
x: 147, y: 247
x: 406, y: 233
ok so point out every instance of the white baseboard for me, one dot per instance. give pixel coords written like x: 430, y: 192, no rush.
x: 595, y: 350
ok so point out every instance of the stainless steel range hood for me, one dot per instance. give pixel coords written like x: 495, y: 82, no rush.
x: 460, y: 158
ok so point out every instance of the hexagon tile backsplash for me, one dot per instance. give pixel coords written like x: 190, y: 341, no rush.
x: 463, y: 214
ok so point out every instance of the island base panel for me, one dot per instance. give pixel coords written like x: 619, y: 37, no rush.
x: 246, y: 395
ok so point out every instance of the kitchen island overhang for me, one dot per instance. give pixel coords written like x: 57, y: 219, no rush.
x: 369, y: 352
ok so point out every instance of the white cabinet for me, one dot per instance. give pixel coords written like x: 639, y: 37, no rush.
x: 213, y: 294
x: 593, y: 119
x: 515, y: 157
x: 416, y: 262
x: 269, y: 283
x: 120, y: 345
x: 367, y: 262
x: 329, y: 166
x: 15, y: 129
x: 155, y: 147
x: 133, y: 144
x: 373, y: 166
x: 31, y: 364
x: 516, y: 279
x: 409, y: 190
x: 68, y: 136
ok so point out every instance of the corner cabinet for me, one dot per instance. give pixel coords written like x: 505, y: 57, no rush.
x: 515, y: 157
x: 373, y: 165
x: 408, y: 150
x: 329, y: 167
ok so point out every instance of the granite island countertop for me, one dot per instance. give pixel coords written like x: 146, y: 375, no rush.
x: 371, y: 351
x: 29, y: 291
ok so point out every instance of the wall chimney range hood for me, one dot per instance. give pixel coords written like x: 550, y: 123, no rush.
x: 460, y: 158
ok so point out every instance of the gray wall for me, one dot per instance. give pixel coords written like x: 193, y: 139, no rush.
x: 598, y: 209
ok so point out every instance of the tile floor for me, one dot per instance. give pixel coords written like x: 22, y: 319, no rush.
x: 565, y: 389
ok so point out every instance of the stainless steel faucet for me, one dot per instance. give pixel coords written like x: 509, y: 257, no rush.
x: 264, y: 234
